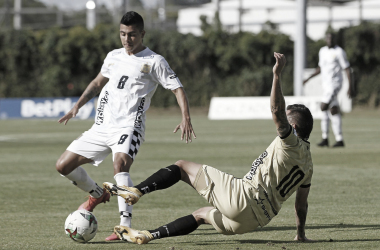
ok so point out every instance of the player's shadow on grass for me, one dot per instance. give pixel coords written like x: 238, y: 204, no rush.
x: 327, y: 226
x: 211, y: 230
x: 276, y: 242
x: 202, y: 231
x: 117, y: 242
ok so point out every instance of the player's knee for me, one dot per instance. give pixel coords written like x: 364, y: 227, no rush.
x: 200, y: 216
x: 180, y: 163
x: 334, y: 110
x: 122, y: 164
x: 324, y: 106
x: 182, y: 167
x: 60, y: 166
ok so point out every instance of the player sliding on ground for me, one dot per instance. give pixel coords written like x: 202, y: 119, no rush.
x: 239, y: 205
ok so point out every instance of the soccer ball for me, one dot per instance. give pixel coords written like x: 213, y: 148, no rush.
x: 81, y: 226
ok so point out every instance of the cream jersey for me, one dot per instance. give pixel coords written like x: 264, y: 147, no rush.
x: 278, y: 173
x: 332, y: 61
x: 126, y: 97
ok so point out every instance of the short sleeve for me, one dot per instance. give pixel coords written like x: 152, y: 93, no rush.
x: 166, y: 76
x: 307, y: 182
x: 105, y: 70
x: 344, y: 63
x: 290, y: 139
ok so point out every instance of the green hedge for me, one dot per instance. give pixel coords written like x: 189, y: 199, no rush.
x: 61, y: 62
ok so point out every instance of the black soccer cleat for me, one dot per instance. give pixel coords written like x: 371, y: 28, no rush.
x: 338, y: 144
x: 323, y: 143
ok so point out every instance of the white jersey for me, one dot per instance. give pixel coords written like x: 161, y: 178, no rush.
x: 126, y: 97
x: 332, y: 61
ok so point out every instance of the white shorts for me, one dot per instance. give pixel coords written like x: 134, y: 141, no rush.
x: 330, y: 97
x: 97, y: 146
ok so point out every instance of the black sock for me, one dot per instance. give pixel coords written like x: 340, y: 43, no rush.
x: 181, y: 226
x: 163, y: 178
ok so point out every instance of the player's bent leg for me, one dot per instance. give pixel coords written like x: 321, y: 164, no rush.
x: 189, y: 170
x: 70, y: 161
x: 226, y: 226
x: 162, y: 179
x: 181, y: 226
x: 68, y: 165
x: 200, y: 215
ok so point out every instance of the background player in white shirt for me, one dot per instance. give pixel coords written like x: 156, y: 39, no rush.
x: 126, y: 83
x: 332, y: 61
x: 239, y: 205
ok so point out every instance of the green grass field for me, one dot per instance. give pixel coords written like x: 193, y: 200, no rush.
x: 35, y: 200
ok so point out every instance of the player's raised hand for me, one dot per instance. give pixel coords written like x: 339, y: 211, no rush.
x: 280, y: 63
x: 187, y: 131
x: 71, y: 114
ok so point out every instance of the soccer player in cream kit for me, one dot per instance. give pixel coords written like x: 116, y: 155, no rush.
x: 239, y: 205
x: 126, y: 82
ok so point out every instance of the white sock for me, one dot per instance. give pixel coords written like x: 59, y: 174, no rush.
x: 125, y: 210
x: 325, y: 124
x: 336, y: 124
x: 82, y: 180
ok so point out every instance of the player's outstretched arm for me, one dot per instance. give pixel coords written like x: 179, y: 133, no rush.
x: 91, y: 91
x: 301, y: 212
x: 316, y: 72
x: 277, y: 101
x: 185, y: 125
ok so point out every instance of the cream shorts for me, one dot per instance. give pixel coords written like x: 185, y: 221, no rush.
x: 97, y: 146
x: 230, y: 197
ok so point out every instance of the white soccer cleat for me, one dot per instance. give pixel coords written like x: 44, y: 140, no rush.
x: 132, y: 235
x: 131, y: 195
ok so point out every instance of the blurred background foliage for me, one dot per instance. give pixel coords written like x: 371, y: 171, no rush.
x: 61, y: 62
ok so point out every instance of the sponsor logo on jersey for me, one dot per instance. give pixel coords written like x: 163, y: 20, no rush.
x: 171, y: 72
x: 173, y: 76
x: 148, y: 57
x: 140, y: 112
x: 270, y: 203
x: 260, y: 202
x: 145, y: 68
x: 256, y: 164
x: 100, y: 115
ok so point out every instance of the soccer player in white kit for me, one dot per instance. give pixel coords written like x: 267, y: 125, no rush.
x: 332, y: 61
x: 127, y: 81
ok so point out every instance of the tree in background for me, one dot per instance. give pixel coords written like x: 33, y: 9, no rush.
x: 60, y: 62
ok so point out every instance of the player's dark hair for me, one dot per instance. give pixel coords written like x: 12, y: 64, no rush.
x: 302, y: 117
x: 133, y: 18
